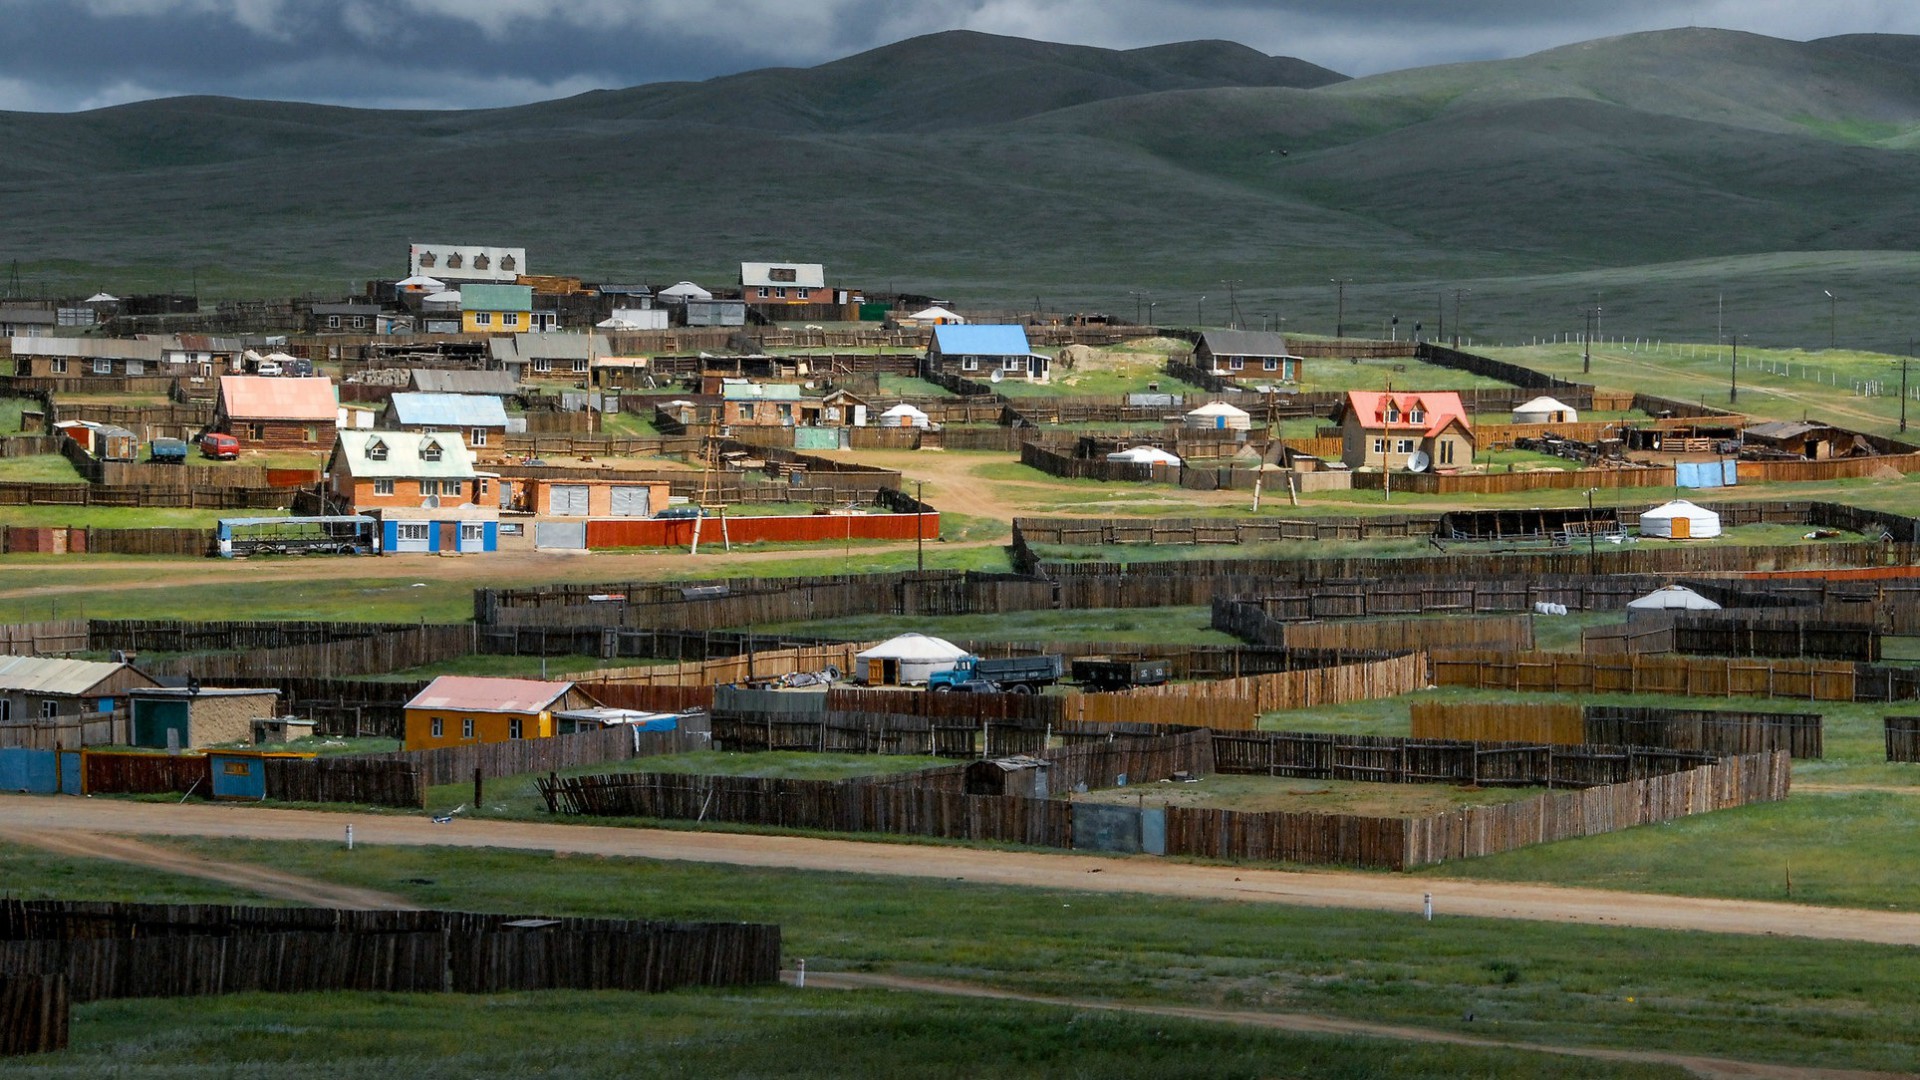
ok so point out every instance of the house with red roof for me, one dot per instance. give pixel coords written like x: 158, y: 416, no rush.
x: 1383, y: 430
x: 461, y: 710
x: 274, y: 412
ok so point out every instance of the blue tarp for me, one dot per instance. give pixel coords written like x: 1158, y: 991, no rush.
x: 1706, y: 474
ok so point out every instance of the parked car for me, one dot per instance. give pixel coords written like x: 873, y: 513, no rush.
x: 219, y: 447
x: 301, y: 368
x: 675, y: 512
x: 269, y: 367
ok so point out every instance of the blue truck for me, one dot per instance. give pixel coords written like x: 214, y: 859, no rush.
x: 1010, y: 675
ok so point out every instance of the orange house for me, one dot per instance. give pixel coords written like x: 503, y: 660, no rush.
x: 461, y: 710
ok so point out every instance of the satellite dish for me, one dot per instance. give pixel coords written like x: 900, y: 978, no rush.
x: 997, y: 375
x: 1419, y: 461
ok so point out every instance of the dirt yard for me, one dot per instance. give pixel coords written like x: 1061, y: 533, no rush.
x: 1265, y: 793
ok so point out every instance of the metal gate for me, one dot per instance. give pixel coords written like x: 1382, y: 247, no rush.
x: 565, y: 535
x: 568, y: 500
x: 630, y: 500
x: 1122, y: 829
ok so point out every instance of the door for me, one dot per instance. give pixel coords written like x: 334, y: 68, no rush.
x: 70, y: 772
x: 563, y: 535
x: 1682, y: 528
x: 412, y: 536
x: 630, y: 500
x: 567, y: 500
x: 159, y: 723
x: 449, y: 536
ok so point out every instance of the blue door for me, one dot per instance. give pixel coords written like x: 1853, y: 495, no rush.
x: 70, y: 773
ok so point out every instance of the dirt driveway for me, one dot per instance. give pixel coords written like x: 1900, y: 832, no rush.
x: 1143, y: 875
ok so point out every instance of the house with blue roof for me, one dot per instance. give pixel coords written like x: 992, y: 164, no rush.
x: 480, y: 418
x: 985, y: 352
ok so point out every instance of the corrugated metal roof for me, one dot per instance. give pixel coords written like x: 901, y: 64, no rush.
x: 733, y: 391
x: 273, y: 397
x: 404, y: 455
x: 438, y: 381
x: 805, y: 275
x: 53, y: 675
x: 521, y: 348
x: 89, y: 348
x: 449, y: 410
x: 474, y: 693
x: 1246, y: 343
x: 988, y: 340
x: 496, y: 297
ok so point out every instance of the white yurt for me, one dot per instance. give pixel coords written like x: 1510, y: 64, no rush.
x: 903, y: 415
x: 1145, y: 455
x: 1545, y: 410
x: 906, y: 660
x: 1680, y: 520
x: 1673, y: 598
x: 1219, y: 415
x: 934, y: 316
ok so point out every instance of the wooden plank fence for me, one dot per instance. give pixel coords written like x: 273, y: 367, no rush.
x: 1530, y: 722
x: 1333, y: 685
x: 51, y: 638
x: 455, y: 764
x: 346, y: 780
x: 35, y: 1014
x: 108, y: 951
x: 1903, y: 738
x: 145, y: 774
x: 1812, y: 680
x: 1250, y: 623
x: 1720, y: 731
x: 375, y: 653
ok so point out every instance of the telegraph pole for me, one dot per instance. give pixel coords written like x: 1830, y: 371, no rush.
x: 1340, y: 306
x: 1903, y: 385
x: 1733, y: 373
x: 1586, y: 358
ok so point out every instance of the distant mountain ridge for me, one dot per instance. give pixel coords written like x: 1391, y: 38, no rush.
x: 966, y: 161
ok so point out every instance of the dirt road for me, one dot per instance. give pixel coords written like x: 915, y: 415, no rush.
x: 1710, y: 1067
x: 259, y: 879
x: 1143, y: 875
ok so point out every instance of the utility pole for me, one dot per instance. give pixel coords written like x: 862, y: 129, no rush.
x: 1200, y: 311
x: 919, y: 531
x: 1733, y: 373
x: 1586, y: 358
x: 1457, y: 294
x: 1339, y: 306
x: 1833, y: 319
x: 1903, y: 385
x: 1593, y: 553
x: 1440, y: 301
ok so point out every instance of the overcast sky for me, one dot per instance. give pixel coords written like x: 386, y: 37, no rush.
x: 60, y: 55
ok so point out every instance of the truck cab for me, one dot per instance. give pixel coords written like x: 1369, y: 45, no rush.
x: 960, y: 674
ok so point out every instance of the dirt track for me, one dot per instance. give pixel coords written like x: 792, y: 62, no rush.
x: 1710, y: 1067
x: 1144, y: 875
x: 259, y: 879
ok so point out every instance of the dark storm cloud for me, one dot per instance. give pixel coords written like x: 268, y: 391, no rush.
x: 467, y: 53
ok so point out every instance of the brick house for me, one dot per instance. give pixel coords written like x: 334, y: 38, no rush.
x: 422, y: 485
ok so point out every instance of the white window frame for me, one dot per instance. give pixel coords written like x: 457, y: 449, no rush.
x: 969, y: 363
x: 1416, y: 416
x: 803, y: 294
x: 580, y: 364
x: 1445, y: 451
x: 483, y: 318
x: 333, y: 322
x: 429, y: 487
x: 477, y: 437
x: 513, y: 727
x: 1379, y: 446
x: 1393, y: 414
x: 49, y: 708
x: 383, y: 487
x: 59, y: 365
x: 763, y: 292
x: 1271, y: 363
x: 1014, y: 363
x: 466, y: 727
x: 511, y: 318
x: 472, y: 532
x: 542, y: 364
x: 359, y: 322
x: 102, y: 365
x: 439, y: 728
x: 412, y: 530
x: 1238, y: 363
x: 1404, y: 446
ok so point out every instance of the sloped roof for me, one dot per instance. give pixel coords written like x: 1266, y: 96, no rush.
x: 459, y: 381
x: 805, y: 275
x: 1674, y: 597
x: 1439, y: 408
x: 937, y: 312
x: 913, y: 647
x: 1784, y: 429
x: 496, y: 297
x: 685, y: 290
x: 1260, y: 343
x: 89, y: 348
x: 752, y: 391
x: 405, y: 455
x: 521, y: 348
x: 1681, y: 508
x: 990, y: 340
x: 1145, y: 455
x: 475, y: 693
x: 263, y: 397
x: 453, y: 411
x: 905, y: 409
x: 1218, y: 408
x: 422, y: 282
x: 1543, y: 403
x: 53, y: 675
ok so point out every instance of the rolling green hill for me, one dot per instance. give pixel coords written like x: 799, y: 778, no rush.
x: 995, y: 169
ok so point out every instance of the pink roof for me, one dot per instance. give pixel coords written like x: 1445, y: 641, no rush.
x: 266, y: 397
x: 476, y: 693
x: 1439, y: 408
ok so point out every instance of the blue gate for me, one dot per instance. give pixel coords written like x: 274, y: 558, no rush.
x: 1126, y: 830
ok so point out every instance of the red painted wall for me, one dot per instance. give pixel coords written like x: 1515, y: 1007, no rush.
x: 813, y: 528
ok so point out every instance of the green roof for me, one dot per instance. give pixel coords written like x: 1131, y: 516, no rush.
x: 496, y: 298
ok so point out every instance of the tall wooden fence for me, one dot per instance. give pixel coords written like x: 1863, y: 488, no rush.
x: 51, y: 638
x: 106, y: 951
x: 455, y: 764
x: 1250, y: 623
x: 1903, y: 738
x: 1333, y: 685
x: 380, y: 652
x: 35, y: 1013
x: 1721, y: 731
x: 1558, y: 673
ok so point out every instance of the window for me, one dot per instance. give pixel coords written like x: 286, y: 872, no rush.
x: 102, y: 366
x: 453, y: 261
x: 359, y: 322
x: 1446, y: 451
x: 513, y: 728
x: 411, y: 530
x: 803, y: 293
x: 429, y: 487
x: 1291, y: 371
x: 783, y: 273
x: 580, y: 365
x: 746, y: 410
x: 483, y: 318
x: 1404, y: 446
x: 479, y: 487
x: 1013, y: 363
x: 546, y: 320
x: 256, y: 431
x: 763, y: 292
x: 430, y: 451
x: 59, y: 366
x: 377, y: 450
x: 1379, y: 446
x: 1270, y: 364
x: 780, y: 293
x: 481, y: 262
x: 466, y: 727
x: 439, y: 727
x: 542, y: 364
x: 511, y: 318
x: 507, y: 262
x: 311, y: 434
x: 1416, y: 416
x: 971, y: 363
x: 333, y: 322
x: 473, y: 534
x: 6, y: 710
x: 427, y: 259
x: 1393, y: 415
x: 1237, y: 363
x: 236, y: 768
x: 48, y: 707
x: 477, y: 437
x: 383, y: 487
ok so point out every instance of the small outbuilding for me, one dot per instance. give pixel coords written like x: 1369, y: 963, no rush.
x: 183, y: 718
x: 1673, y: 598
x: 1545, y: 410
x: 1680, y: 520
x: 1145, y: 455
x: 1023, y: 775
x: 906, y: 660
x: 1219, y: 416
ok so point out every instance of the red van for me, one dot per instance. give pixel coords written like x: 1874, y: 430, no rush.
x: 219, y: 447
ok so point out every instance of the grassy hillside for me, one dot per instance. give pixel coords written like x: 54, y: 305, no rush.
x: 995, y: 169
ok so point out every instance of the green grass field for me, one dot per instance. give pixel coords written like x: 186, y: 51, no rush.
x: 1186, y: 625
